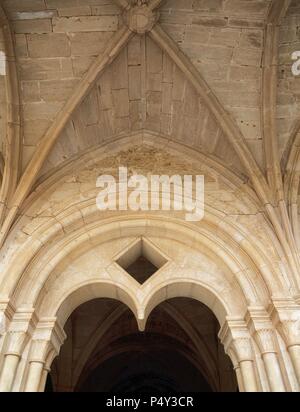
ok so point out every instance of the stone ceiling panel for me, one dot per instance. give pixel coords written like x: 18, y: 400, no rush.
x: 142, y: 90
x: 56, y: 41
x: 288, y: 99
x: 224, y: 40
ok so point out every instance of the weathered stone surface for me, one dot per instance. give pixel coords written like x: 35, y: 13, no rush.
x: 75, y: 11
x: 24, y: 5
x: 84, y: 24
x: 288, y: 101
x: 33, y: 26
x: 45, y: 69
x: 48, y: 45
x: 88, y: 44
x: 31, y: 91
x: 143, y: 111
x: 56, y: 90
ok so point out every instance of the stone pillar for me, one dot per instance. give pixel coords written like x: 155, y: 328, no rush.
x: 43, y: 381
x: 264, y: 334
x: 6, y: 314
x: 34, y: 376
x: 237, y: 369
x: 294, y: 351
x: 18, y: 334
x: 47, y: 340
x: 9, y: 368
x: 236, y: 339
x: 285, y: 315
x: 268, y: 348
x: 243, y: 349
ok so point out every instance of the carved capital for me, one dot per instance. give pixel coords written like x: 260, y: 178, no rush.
x: 20, y: 330
x: 236, y: 340
x: 243, y: 349
x: 262, y: 330
x: 266, y: 340
x: 286, y: 318
x: 6, y: 314
x: 48, y: 336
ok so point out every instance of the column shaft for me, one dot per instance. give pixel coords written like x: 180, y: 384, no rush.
x: 43, y: 380
x: 248, y: 375
x: 34, y: 376
x: 273, y: 372
x: 9, y: 369
x: 239, y: 378
x: 294, y: 352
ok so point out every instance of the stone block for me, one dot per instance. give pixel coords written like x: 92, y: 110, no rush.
x: 21, y: 45
x: 56, y: 90
x: 211, y: 21
x: 154, y: 81
x: 241, y: 73
x: 33, y: 15
x: 246, y: 7
x: 244, y: 23
x: 89, y: 44
x: 46, y: 69
x: 134, y: 75
x: 196, y: 34
x: 121, y: 102
x: 154, y: 57
x: 208, y: 5
x: 34, y: 129
x: 134, y: 51
x: 41, y: 110
x: 167, y: 98
x: 30, y: 91
x: 119, y: 71
x: 81, y: 65
x: 48, y: 45
x: 74, y: 11
x: 176, y: 31
x: 247, y: 56
x: 24, y: 5
x: 106, y: 10
x: 85, y: 24
x: 32, y: 26
x: 154, y: 100
x: 252, y: 39
x: 135, y: 108
x: 225, y: 37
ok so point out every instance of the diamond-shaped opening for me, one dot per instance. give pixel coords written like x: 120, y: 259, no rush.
x: 141, y: 260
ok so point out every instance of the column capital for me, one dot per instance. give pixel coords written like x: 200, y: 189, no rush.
x: 261, y: 329
x: 20, y: 330
x: 7, y: 311
x: 48, y: 335
x: 236, y: 339
x: 285, y: 315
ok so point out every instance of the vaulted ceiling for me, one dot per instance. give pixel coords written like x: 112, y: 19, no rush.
x: 214, y: 75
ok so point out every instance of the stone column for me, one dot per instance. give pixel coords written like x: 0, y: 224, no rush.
x: 34, y: 376
x: 267, y: 345
x: 6, y: 314
x: 43, y: 381
x: 294, y: 351
x: 243, y: 349
x: 285, y: 314
x: 237, y: 369
x: 236, y: 339
x: 9, y: 368
x: 264, y: 334
x: 18, y: 334
x: 47, y: 340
